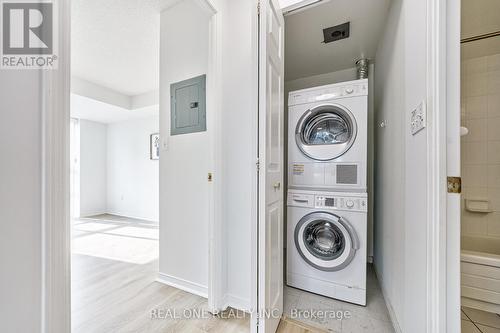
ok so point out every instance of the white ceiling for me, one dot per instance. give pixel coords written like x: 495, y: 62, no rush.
x: 306, y: 55
x: 116, y: 43
x: 90, y: 109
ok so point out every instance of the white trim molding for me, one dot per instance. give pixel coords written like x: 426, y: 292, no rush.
x: 254, y: 237
x: 106, y: 95
x: 295, y: 6
x: 56, y: 250
x: 188, y: 286
x: 436, y: 157
x: 238, y: 303
x: 217, y: 250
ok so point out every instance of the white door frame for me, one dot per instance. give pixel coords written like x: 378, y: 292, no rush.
x: 56, y: 246
x: 436, y: 157
x: 453, y: 210
x: 254, y: 284
x: 443, y: 222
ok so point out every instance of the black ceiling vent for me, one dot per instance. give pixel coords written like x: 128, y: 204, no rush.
x: 337, y: 32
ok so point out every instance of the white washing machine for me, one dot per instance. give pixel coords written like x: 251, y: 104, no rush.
x: 327, y: 137
x: 327, y: 244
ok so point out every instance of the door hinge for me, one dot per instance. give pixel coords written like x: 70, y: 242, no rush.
x: 258, y: 7
x: 454, y: 185
x: 257, y: 164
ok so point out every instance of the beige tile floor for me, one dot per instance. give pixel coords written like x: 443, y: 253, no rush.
x: 374, y: 318
x: 477, y: 321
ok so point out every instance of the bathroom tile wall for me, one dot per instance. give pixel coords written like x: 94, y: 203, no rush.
x: 481, y: 147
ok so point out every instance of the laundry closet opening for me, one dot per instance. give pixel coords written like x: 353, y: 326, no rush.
x: 330, y: 154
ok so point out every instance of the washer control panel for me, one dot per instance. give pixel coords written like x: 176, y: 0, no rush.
x: 341, y: 202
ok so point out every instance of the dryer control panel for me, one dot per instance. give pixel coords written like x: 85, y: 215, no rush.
x: 341, y: 202
x: 329, y: 92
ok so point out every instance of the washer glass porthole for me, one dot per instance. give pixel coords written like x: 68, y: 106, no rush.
x: 324, y: 240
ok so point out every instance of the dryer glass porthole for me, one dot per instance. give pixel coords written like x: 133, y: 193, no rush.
x: 326, y: 241
x: 326, y: 129
x: 326, y: 132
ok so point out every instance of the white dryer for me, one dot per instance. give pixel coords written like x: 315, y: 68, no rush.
x: 327, y: 137
x: 327, y: 244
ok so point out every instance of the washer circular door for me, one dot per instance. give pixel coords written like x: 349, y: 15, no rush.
x: 326, y: 241
x: 326, y: 132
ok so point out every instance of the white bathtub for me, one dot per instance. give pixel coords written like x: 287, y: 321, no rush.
x: 480, y: 266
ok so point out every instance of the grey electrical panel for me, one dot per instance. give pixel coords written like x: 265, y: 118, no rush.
x: 188, y: 106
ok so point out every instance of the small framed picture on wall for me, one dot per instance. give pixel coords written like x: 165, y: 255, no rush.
x: 154, y: 146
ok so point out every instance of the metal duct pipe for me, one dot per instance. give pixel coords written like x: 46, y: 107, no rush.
x: 362, y: 66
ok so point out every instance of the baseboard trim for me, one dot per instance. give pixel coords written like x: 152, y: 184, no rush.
x: 392, y: 314
x: 132, y: 217
x: 91, y: 214
x: 235, y: 302
x: 185, y: 285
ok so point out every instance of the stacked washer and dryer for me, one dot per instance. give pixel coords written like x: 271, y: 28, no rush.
x: 327, y: 191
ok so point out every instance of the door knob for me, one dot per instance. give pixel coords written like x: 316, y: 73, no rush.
x: 277, y: 185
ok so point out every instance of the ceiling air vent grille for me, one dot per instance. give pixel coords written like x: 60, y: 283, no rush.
x: 337, y: 32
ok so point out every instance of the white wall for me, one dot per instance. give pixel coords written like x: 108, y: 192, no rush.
x: 20, y: 201
x: 401, y: 166
x: 132, y: 177
x: 93, y: 168
x: 116, y: 173
x: 184, y: 164
x: 238, y: 119
x: 239, y: 128
x: 336, y: 77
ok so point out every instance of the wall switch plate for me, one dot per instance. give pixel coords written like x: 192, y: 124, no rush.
x: 418, y: 119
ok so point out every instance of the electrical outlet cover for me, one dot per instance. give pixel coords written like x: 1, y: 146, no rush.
x: 418, y: 118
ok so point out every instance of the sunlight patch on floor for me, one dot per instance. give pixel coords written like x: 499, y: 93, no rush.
x: 130, y: 242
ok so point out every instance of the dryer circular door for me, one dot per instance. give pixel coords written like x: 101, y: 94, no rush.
x: 326, y: 241
x: 326, y: 132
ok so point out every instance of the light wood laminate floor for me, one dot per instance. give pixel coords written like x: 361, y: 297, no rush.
x: 114, y: 267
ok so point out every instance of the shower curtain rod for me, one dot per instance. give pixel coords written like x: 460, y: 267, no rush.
x: 479, y: 37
